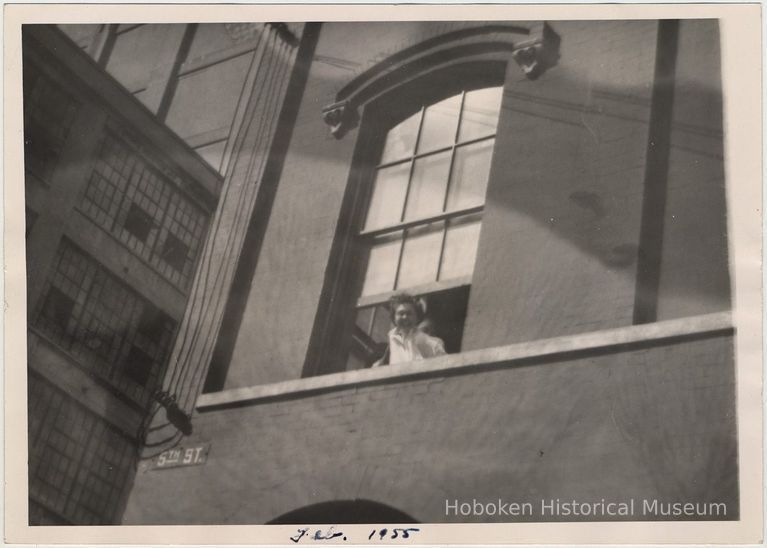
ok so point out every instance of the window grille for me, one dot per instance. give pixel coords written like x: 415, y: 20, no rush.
x: 128, y: 197
x: 423, y: 220
x: 49, y: 113
x: 79, y: 466
x: 104, y: 324
x: 183, y: 229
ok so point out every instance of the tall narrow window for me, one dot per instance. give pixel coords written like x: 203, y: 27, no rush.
x: 423, y: 220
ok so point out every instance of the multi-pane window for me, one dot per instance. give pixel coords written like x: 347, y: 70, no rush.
x: 129, y: 197
x: 424, y: 216
x: 79, y: 466
x: 49, y: 113
x: 113, y: 331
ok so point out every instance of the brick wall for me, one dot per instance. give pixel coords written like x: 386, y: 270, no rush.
x: 694, y: 271
x: 559, y: 243
x: 559, y: 239
x: 652, y: 421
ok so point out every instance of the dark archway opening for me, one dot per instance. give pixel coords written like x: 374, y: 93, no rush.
x: 343, y: 511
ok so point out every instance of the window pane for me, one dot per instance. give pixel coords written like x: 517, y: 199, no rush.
x: 439, y: 124
x: 388, y: 196
x: 205, y: 100
x: 469, y: 178
x: 138, y: 222
x: 420, y: 256
x: 427, y: 189
x: 364, y: 316
x: 212, y: 153
x: 143, y: 52
x: 480, y: 113
x: 382, y: 265
x: 381, y: 324
x: 460, y: 247
x: 400, y: 141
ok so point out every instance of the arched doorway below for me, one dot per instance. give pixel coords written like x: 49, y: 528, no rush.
x: 343, y: 511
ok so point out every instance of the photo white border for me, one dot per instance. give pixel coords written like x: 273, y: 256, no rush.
x: 742, y: 85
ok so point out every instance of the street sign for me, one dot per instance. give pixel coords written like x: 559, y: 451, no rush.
x: 181, y: 456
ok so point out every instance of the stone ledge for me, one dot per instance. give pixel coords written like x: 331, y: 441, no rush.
x: 498, y: 357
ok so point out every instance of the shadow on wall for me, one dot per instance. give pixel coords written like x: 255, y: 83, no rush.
x: 344, y: 511
x: 591, y: 196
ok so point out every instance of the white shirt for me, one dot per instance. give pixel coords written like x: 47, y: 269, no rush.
x: 414, y: 345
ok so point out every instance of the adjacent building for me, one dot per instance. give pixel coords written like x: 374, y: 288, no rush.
x: 119, y: 209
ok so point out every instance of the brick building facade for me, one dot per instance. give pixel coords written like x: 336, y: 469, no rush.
x: 554, y: 192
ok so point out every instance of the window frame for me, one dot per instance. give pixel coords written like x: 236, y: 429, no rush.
x: 141, y: 181
x: 326, y: 354
x: 445, y: 216
x: 94, y: 315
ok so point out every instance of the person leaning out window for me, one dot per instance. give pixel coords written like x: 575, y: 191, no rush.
x: 408, y: 339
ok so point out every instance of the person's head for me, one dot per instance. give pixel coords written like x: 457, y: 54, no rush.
x: 406, y: 312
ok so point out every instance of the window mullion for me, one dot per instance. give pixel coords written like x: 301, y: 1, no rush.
x: 162, y: 220
x: 407, y: 196
x: 421, y: 221
x: 410, y: 173
x: 399, y: 259
x: 449, y: 178
x: 442, y: 248
x: 372, y: 321
x: 463, y: 144
x: 419, y: 155
x: 122, y: 200
x: 460, y: 117
x: 446, y: 221
x: 452, y: 162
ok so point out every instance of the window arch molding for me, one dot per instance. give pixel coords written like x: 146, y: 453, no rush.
x: 535, y: 48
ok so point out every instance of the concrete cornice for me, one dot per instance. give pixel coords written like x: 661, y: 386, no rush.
x: 514, y: 355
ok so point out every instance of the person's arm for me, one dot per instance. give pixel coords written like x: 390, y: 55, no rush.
x: 383, y: 360
x: 435, y: 345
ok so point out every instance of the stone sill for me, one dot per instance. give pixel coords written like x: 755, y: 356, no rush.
x: 514, y: 355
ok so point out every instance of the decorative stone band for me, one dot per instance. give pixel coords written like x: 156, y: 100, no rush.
x: 558, y: 348
x: 535, y: 49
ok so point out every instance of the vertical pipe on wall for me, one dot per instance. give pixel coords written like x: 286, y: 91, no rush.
x: 172, y: 80
x: 101, y: 49
x: 237, y: 298
x: 656, y: 175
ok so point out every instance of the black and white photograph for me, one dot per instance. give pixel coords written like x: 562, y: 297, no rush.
x: 349, y: 278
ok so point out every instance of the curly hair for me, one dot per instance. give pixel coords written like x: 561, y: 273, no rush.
x: 406, y: 298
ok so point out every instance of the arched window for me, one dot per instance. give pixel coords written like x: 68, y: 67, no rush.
x: 421, y: 227
x: 411, y: 218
